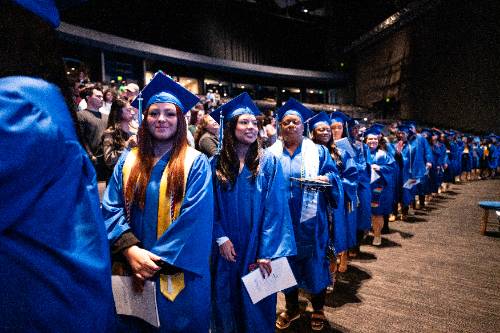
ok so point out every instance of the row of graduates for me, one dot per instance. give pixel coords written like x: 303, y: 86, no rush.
x: 167, y: 207
x: 196, y: 226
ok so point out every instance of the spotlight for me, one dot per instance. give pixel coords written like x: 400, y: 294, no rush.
x: 305, y: 10
x: 283, y: 91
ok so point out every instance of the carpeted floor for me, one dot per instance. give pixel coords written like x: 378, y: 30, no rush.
x: 434, y: 273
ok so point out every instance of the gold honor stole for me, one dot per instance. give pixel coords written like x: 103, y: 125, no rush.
x: 170, y: 285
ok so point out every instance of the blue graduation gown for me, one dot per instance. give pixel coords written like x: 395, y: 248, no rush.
x: 55, y: 273
x: 345, y: 233
x: 454, y: 158
x: 383, y: 188
x: 255, y: 217
x: 311, y: 265
x: 413, y: 167
x: 186, y: 244
x: 424, y: 187
x: 364, y: 213
x: 437, y: 171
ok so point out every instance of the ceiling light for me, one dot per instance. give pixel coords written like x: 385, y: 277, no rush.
x: 305, y: 10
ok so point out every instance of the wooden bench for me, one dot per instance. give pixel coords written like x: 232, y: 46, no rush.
x: 487, y: 206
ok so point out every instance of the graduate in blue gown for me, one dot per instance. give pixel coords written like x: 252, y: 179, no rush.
x: 358, y: 151
x: 321, y: 133
x: 439, y: 163
x: 54, y: 257
x: 158, y: 209
x: 424, y: 187
x: 301, y: 158
x: 252, y: 223
x: 382, y: 166
x: 411, y: 152
x: 348, y: 173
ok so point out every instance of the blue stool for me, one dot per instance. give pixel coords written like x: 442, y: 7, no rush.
x: 487, y: 206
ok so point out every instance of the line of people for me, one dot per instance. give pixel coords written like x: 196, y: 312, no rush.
x: 164, y: 197
x: 192, y: 225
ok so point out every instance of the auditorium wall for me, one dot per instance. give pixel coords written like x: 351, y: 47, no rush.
x: 443, y: 67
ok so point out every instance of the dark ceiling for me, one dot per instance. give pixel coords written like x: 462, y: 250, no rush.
x: 343, y: 20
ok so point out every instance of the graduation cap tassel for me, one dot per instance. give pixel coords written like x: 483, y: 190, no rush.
x: 139, y: 116
x: 277, y: 125
x: 221, y: 133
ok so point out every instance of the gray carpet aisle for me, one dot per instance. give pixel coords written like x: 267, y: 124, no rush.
x: 434, y: 273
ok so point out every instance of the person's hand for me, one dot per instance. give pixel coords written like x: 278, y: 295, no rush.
x: 428, y: 165
x: 323, y: 179
x: 227, y: 251
x: 131, y: 142
x: 142, y: 262
x: 375, y: 167
x: 265, y: 267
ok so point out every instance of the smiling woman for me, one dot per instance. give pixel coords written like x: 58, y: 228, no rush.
x: 252, y: 224
x: 158, y: 210
x: 162, y: 119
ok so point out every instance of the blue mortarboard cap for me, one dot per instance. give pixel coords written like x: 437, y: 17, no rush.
x: 162, y: 89
x: 426, y: 131
x: 404, y: 128
x: 352, y: 122
x: 45, y: 9
x: 292, y: 106
x: 319, y: 119
x: 410, y: 123
x: 241, y: 104
x: 339, y: 117
x: 375, y: 129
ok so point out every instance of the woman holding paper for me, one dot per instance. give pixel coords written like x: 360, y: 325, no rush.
x: 252, y: 222
x: 305, y: 163
x: 383, y: 167
x: 158, y: 209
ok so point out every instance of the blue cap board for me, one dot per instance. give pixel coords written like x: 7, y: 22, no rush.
x: 375, y: 129
x: 410, y: 123
x: 318, y: 120
x: 404, y: 128
x: 292, y: 106
x: 426, y: 131
x: 241, y: 104
x: 339, y: 117
x: 162, y: 89
x: 45, y: 9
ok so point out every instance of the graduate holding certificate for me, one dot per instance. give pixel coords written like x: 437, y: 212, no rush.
x: 302, y: 158
x: 252, y: 223
x: 158, y: 209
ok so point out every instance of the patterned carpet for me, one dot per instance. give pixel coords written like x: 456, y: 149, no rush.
x: 434, y: 273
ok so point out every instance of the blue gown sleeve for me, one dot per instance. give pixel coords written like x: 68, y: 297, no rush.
x: 218, y: 231
x: 113, y: 206
x: 327, y: 167
x: 387, y: 166
x: 276, y: 235
x: 26, y: 128
x: 187, y: 242
x: 349, y: 176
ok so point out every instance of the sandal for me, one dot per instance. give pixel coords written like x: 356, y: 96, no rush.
x: 285, y: 319
x: 318, y: 320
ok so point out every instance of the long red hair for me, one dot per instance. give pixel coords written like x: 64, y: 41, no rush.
x: 135, y: 190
